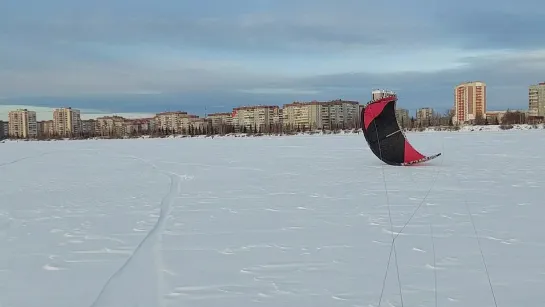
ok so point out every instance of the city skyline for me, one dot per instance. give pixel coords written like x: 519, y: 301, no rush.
x: 534, y: 100
x: 469, y: 107
x: 122, y: 56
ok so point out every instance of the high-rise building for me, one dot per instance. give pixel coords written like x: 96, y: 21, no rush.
x: 22, y: 124
x: 424, y: 114
x: 67, y: 121
x: 536, y: 100
x: 469, y: 101
x: 2, y: 133
x: 402, y: 116
x: 4, y: 127
x: 378, y: 94
x: 46, y: 128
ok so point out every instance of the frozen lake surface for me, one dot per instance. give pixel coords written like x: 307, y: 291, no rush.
x: 271, y: 221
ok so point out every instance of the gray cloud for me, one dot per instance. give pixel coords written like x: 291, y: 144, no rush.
x: 507, y: 77
x: 517, y: 26
x: 287, y: 26
x: 55, y: 49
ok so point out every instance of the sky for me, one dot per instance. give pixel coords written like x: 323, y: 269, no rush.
x: 142, y: 57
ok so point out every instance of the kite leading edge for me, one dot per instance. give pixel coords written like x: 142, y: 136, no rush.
x: 385, y: 137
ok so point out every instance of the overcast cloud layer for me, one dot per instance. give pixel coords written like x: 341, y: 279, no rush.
x: 146, y: 56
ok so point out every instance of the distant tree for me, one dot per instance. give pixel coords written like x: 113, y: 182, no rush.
x: 512, y: 118
x: 479, y: 119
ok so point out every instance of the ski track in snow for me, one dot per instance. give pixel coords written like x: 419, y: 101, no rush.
x: 147, y: 253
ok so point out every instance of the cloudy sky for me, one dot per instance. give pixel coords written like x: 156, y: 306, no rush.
x: 136, y: 56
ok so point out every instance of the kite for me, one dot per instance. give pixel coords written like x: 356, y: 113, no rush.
x: 385, y: 137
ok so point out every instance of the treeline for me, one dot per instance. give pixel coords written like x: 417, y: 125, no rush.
x: 434, y: 120
x: 206, y: 130
x: 439, y: 121
x: 509, y: 118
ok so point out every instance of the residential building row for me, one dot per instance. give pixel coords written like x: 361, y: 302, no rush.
x: 470, y: 106
x: 67, y: 122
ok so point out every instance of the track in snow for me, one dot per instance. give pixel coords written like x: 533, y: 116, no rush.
x: 138, y: 265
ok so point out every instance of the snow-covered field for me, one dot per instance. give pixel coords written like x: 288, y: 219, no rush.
x: 279, y: 221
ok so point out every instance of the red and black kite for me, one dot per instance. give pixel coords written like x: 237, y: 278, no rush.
x: 385, y: 137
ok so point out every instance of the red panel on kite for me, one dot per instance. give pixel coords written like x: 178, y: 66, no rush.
x: 374, y: 110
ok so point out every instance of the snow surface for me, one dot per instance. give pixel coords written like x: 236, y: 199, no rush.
x: 271, y: 221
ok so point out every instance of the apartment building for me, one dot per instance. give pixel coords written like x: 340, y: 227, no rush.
x: 327, y: 115
x: 130, y: 127
x: 303, y: 115
x: 424, y: 114
x: 220, y: 119
x: 360, y: 110
x: 380, y: 93
x: 67, y: 121
x: 221, y: 122
x: 187, y: 123
x: 338, y: 114
x: 4, y: 129
x: 200, y: 124
x: 260, y: 118
x: 402, y: 116
x: 143, y: 125
x: 138, y: 126
x: 22, y: 124
x: 110, y: 126
x: 46, y: 128
x: 173, y: 122
x: 90, y: 127
x: 469, y: 101
x: 536, y: 100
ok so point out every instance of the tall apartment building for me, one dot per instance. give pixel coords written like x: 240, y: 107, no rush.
x: 22, y: 124
x: 536, y: 100
x: 469, y: 101
x: 46, y: 128
x: 67, y: 121
x: 424, y: 114
x: 258, y: 117
x: 378, y: 94
x: 4, y: 127
x: 402, y: 116
x: 2, y: 131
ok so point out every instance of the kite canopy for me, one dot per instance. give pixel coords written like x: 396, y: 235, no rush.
x: 384, y: 136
